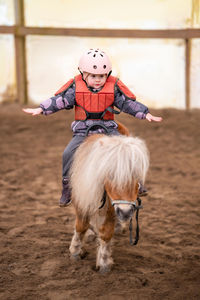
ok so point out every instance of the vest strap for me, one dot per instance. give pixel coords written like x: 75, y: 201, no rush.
x: 98, y: 115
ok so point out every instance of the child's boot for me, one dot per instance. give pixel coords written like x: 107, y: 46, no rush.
x: 66, y: 193
x: 142, y: 191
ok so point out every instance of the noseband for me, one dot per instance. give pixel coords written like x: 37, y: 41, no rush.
x: 134, y: 204
x: 137, y: 206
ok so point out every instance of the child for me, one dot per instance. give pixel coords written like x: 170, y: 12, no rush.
x: 93, y: 93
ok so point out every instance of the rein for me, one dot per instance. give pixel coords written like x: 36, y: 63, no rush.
x: 136, y: 208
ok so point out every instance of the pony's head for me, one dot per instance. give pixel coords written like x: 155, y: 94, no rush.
x: 123, y: 199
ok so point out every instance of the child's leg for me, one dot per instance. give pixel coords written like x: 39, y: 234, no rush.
x: 68, y: 155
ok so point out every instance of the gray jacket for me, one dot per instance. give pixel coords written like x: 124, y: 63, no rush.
x: 67, y: 101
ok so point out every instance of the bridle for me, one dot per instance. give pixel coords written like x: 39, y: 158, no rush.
x: 137, y: 205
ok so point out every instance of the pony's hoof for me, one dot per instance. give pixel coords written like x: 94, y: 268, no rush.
x: 104, y: 269
x: 83, y: 253
x: 75, y: 257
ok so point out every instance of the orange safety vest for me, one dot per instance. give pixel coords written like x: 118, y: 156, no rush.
x: 99, y: 105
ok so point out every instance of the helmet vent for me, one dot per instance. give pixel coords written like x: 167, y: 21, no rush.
x: 94, y: 66
x: 94, y: 55
x: 104, y: 66
x: 101, y: 54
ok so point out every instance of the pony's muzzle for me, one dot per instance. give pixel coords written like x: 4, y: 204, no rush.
x: 124, y: 212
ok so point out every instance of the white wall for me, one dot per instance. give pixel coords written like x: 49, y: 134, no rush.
x: 195, y: 74
x: 141, y: 14
x: 7, y: 68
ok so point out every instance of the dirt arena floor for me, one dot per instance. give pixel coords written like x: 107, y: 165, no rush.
x: 35, y: 233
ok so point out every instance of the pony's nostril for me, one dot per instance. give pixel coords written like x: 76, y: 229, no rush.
x: 124, y: 214
x: 119, y: 212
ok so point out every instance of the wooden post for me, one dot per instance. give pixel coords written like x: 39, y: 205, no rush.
x: 187, y: 72
x: 20, y: 54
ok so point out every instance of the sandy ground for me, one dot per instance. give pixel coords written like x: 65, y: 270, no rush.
x: 35, y: 233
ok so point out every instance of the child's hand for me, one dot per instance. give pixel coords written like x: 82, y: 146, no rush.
x: 33, y: 111
x: 150, y: 118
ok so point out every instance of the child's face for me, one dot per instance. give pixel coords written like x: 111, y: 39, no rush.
x: 96, y: 81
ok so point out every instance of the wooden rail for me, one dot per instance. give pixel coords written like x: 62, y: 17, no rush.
x: 20, y: 31
x: 106, y: 33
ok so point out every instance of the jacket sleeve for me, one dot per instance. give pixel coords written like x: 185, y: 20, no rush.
x: 130, y: 106
x: 64, y: 100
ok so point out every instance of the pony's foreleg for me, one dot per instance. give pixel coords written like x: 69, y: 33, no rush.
x: 76, y: 248
x: 104, y: 259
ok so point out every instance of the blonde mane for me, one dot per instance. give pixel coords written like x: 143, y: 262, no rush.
x: 119, y: 159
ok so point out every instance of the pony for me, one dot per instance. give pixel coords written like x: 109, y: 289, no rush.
x: 110, y: 168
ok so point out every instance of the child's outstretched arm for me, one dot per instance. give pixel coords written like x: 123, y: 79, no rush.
x: 150, y: 118
x: 33, y: 111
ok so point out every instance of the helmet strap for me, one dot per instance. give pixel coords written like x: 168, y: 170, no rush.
x: 80, y: 72
x: 82, y: 76
x: 109, y: 73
